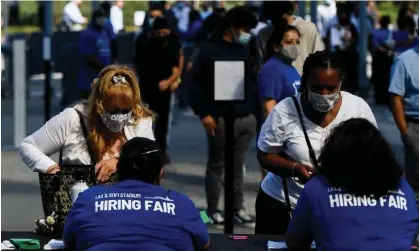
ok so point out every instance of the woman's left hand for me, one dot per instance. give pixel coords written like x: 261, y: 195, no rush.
x: 105, y: 169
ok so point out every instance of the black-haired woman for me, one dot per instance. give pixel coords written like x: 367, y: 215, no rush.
x: 282, y: 146
x: 278, y: 78
x: 351, y: 206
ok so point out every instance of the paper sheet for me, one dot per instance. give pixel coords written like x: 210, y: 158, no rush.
x: 229, y: 81
x: 54, y: 244
x: 274, y: 245
x: 4, y: 247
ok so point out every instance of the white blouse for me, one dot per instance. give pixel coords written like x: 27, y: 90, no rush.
x: 64, y: 131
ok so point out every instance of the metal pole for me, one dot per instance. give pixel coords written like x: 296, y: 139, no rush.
x: 229, y: 173
x: 363, y: 39
x: 19, y: 91
x: 302, y: 9
x: 5, y: 10
x: 313, y: 12
x: 46, y: 52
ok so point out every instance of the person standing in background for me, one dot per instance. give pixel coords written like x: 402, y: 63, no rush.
x: 159, y: 71
x: 94, y: 50
x: 280, y: 12
x: 181, y: 12
x: 404, y: 90
x: 325, y: 13
x: 117, y: 16
x: 72, y: 15
x: 382, y: 60
x: 231, y: 40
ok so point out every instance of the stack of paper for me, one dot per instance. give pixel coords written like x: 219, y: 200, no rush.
x: 54, y: 244
x: 278, y: 245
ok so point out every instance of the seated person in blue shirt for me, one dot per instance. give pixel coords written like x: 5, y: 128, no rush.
x: 136, y: 213
x: 359, y: 199
x: 94, y: 50
x: 278, y: 79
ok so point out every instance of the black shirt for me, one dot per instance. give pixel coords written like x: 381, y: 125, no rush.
x: 202, y: 84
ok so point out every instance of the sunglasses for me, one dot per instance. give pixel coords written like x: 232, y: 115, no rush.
x: 120, y: 111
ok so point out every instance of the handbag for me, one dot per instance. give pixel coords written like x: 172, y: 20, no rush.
x: 56, y: 188
x: 310, y: 151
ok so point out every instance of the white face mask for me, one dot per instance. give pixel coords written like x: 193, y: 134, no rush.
x: 322, y: 103
x: 289, y: 52
x: 115, y: 122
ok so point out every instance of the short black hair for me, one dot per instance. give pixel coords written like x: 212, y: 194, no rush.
x: 99, y: 12
x: 357, y: 158
x: 140, y: 159
x: 321, y: 59
x: 161, y: 23
x: 275, y: 10
x: 278, y: 35
x: 385, y: 21
x: 239, y: 17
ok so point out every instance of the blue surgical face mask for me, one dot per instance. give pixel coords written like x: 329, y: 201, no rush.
x: 244, y: 38
x: 150, y: 22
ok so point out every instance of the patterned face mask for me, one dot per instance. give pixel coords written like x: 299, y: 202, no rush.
x: 115, y: 122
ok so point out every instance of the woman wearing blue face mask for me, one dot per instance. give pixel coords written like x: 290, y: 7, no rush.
x: 294, y: 133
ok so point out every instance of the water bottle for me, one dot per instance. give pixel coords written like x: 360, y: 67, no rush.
x: 78, y: 187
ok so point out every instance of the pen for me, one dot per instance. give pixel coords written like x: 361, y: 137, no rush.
x: 238, y: 237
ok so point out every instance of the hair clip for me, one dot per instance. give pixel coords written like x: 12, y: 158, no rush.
x: 117, y: 79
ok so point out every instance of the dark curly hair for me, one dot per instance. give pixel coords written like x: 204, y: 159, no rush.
x: 357, y: 158
x: 321, y: 59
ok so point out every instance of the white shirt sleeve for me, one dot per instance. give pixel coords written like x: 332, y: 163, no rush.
x: 145, y: 129
x: 368, y: 114
x: 35, y: 149
x: 116, y: 19
x: 72, y: 11
x: 272, y: 133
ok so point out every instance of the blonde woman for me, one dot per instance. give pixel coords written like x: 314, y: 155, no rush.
x: 113, y: 115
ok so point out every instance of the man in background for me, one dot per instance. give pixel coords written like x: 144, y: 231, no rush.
x: 325, y: 12
x: 72, y: 16
x: 231, y: 41
x: 117, y: 16
x: 94, y: 50
x: 282, y: 12
x: 404, y: 90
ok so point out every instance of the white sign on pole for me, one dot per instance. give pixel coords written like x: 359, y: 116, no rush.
x: 229, y: 80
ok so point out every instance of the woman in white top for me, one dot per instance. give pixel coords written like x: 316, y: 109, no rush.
x: 282, y: 147
x: 113, y: 115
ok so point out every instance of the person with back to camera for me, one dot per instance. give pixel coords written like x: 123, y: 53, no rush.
x: 113, y: 114
x: 282, y: 146
x: 359, y: 199
x: 136, y: 213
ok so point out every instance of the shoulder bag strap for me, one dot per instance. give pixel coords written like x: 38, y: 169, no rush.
x: 287, y: 195
x: 83, y: 126
x: 310, y: 148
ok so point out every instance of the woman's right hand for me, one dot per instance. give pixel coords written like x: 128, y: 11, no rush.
x: 303, y: 172
x: 53, y: 169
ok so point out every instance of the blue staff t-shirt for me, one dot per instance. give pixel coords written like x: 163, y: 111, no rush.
x: 278, y: 80
x: 336, y: 220
x: 92, y: 42
x: 405, y: 81
x: 133, y: 215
